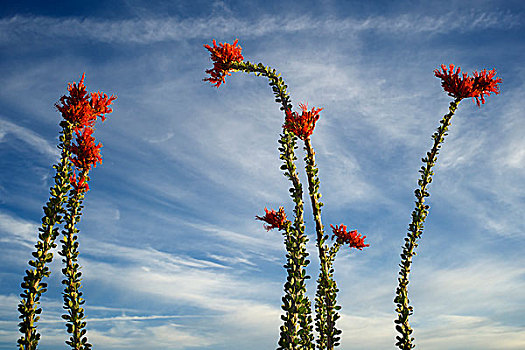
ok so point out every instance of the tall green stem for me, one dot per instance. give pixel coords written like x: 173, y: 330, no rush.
x: 53, y: 214
x: 415, y: 229
x: 72, y: 295
x: 296, y: 331
x: 326, y: 314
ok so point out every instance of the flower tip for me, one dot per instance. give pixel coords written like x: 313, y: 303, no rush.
x: 223, y: 57
x: 352, y: 238
x: 274, y: 219
x: 302, y: 125
x: 463, y: 86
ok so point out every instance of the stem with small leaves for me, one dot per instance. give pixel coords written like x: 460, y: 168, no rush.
x: 72, y: 295
x: 325, y: 301
x: 32, y: 285
x: 297, y: 330
x: 415, y: 230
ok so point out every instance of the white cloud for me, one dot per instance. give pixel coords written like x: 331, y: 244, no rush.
x: 494, y: 283
x: 371, y: 331
x: 468, y: 332
x: 28, y: 136
x: 17, y: 230
x: 149, y: 30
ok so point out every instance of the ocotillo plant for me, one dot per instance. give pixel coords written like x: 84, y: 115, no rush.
x: 296, y: 332
x: 459, y: 87
x: 79, y: 113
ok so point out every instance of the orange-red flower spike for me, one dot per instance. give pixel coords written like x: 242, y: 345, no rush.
x: 222, y: 57
x: 352, y: 238
x: 302, y: 125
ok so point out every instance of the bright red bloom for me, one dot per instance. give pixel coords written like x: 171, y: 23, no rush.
x: 352, y: 238
x: 222, y: 57
x: 85, y: 153
x: 464, y: 86
x: 100, y: 103
x: 81, y: 111
x: 80, y: 186
x: 302, y: 125
x: 484, y: 84
x: 274, y: 219
x: 457, y: 86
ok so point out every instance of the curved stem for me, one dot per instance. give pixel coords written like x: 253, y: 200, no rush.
x: 275, y: 81
x: 32, y: 285
x: 415, y: 229
x: 297, y: 330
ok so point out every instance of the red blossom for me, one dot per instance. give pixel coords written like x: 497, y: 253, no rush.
x: 463, y: 86
x: 274, y: 219
x: 100, y: 103
x: 302, y: 125
x: 222, y: 57
x: 484, y: 84
x: 85, y: 153
x: 79, y: 109
x: 352, y: 238
x: 80, y: 186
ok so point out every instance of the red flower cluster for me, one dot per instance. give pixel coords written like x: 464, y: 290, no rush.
x: 81, y: 111
x: 85, y: 152
x: 222, y: 57
x: 274, y: 219
x: 352, y: 238
x: 302, y: 125
x: 481, y: 84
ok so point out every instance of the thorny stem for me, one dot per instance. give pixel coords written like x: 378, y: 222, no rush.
x: 296, y: 332
x: 326, y: 307
x: 32, y: 285
x: 415, y: 229
x: 72, y: 295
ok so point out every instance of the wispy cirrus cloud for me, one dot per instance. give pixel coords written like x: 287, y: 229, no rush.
x: 467, y: 332
x: 14, y: 229
x: 28, y: 136
x: 149, y: 30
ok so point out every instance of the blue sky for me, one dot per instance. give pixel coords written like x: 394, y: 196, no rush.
x: 172, y: 256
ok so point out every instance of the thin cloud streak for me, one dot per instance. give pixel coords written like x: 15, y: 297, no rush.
x: 130, y: 318
x: 146, y: 31
x: 28, y: 136
x: 17, y: 230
